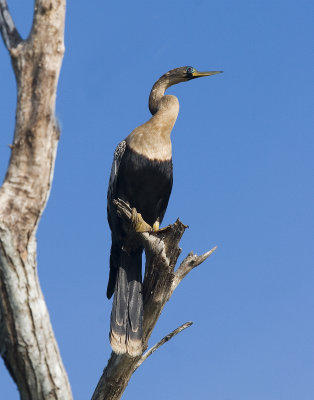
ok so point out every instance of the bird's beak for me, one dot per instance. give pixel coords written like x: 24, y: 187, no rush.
x: 197, y: 74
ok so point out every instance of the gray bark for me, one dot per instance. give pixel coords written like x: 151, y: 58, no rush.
x: 27, y: 342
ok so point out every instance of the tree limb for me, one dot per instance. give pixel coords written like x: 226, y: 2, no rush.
x: 191, y: 261
x: 10, y: 35
x: 162, y: 251
x: 162, y: 341
x: 27, y: 342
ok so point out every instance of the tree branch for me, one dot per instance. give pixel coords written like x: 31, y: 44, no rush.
x: 162, y: 341
x: 10, y: 35
x: 191, y: 261
x: 27, y: 342
x: 162, y: 251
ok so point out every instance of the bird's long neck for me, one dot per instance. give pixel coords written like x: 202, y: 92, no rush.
x: 157, y: 93
x: 152, y: 139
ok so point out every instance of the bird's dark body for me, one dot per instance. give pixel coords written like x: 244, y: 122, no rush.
x: 145, y: 185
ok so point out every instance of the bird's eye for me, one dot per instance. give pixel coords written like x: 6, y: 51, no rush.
x: 190, y: 70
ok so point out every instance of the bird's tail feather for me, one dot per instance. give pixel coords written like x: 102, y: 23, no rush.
x: 127, y: 308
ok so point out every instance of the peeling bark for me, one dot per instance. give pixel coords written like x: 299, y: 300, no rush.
x: 27, y: 342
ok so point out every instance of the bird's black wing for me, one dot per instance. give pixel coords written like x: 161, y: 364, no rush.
x: 112, y: 187
x: 112, y: 217
x: 125, y: 277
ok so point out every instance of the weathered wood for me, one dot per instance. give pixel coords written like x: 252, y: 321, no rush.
x: 162, y: 251
x: 27, y: 342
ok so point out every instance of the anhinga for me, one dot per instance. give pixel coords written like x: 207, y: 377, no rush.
x: 141, y: 175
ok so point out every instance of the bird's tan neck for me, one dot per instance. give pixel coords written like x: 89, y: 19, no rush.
x: 159, y: 88
x: 152, y: 139
x: 157, y: 93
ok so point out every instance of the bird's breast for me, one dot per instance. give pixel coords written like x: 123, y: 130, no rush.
x: 153, y: 147
x: 152, y: 139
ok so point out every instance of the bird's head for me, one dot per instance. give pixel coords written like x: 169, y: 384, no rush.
x: 186, y: 73
x: 172, y: 77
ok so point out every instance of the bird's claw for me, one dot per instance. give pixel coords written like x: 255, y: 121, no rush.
x: 138, y: 222
x: 156, y: 226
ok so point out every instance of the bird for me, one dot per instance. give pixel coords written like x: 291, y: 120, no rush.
x: 142, y: 176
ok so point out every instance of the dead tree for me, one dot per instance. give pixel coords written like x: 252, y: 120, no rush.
x: 161, y: 279
x: 27, y: 342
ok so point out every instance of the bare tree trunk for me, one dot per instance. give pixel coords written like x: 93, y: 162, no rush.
x: 27, y: 342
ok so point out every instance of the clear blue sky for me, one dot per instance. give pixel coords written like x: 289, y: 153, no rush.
x: 243, y: 180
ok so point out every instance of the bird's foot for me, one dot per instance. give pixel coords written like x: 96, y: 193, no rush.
x: 138, y: 222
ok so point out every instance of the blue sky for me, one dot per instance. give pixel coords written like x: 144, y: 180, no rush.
x: 243, y: 180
